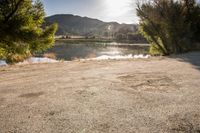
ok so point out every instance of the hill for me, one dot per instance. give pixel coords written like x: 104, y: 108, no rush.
x: 69, y: 24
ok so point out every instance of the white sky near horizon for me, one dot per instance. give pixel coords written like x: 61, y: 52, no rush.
x: 121, y: 11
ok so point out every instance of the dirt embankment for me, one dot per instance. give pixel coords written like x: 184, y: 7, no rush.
x: 142, y: 96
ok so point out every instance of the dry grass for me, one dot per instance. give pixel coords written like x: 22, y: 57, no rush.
x: 50, y: 55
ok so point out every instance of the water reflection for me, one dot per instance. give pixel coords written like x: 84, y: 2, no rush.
x: 68, y: 51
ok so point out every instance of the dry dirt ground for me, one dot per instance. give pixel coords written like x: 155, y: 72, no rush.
x: 158, y: 95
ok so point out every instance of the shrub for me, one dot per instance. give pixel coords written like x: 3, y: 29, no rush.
x: 21, y: 32
x: 168, y: 25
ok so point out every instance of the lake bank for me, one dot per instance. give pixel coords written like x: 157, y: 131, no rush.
x: 100, y: 40
x: 68, y: 51
x: 145, y: 95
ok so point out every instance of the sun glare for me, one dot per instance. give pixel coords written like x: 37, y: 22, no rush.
x: 117, y: 7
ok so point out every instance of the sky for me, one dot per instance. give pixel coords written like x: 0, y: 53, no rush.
x: 121, y: 11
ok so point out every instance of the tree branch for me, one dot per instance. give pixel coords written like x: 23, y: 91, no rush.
x: 15, y: 8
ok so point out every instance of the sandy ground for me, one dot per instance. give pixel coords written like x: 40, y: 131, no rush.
x: 159, y: 95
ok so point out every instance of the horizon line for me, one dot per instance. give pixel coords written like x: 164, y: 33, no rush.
x: 90, y: 18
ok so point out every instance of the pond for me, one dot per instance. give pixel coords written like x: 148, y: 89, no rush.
x: 71, y: 51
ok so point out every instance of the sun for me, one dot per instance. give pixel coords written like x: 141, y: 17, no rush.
x: 117, y: 7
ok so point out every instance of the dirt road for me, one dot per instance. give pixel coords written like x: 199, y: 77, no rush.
x: 141, y: 96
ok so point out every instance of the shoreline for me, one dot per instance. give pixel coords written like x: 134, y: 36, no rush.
x: 39, y: 60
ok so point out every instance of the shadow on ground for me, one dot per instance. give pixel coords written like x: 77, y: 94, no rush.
x: 192, y: 58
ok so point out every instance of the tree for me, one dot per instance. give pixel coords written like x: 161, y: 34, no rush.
x: 169, y: 24
x: 21, y: 32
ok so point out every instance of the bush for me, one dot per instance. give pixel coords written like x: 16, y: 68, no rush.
x: 21, y: 32
x: 2, y: 54
x: 154, y: 50
x: 14, y: 58
x: 168, y: 25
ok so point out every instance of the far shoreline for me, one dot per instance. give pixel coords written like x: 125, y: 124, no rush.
x: 100, y: 40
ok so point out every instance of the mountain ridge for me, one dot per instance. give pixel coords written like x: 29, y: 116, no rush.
x: 69, y: 24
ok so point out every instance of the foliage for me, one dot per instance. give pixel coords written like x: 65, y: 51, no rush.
x: 125, y: 33
x: 2, y: 53
x: 170, y: 26
x: 21, y: 32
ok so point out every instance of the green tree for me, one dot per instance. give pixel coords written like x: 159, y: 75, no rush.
x: 21, y: 31
x: 168, y: 24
